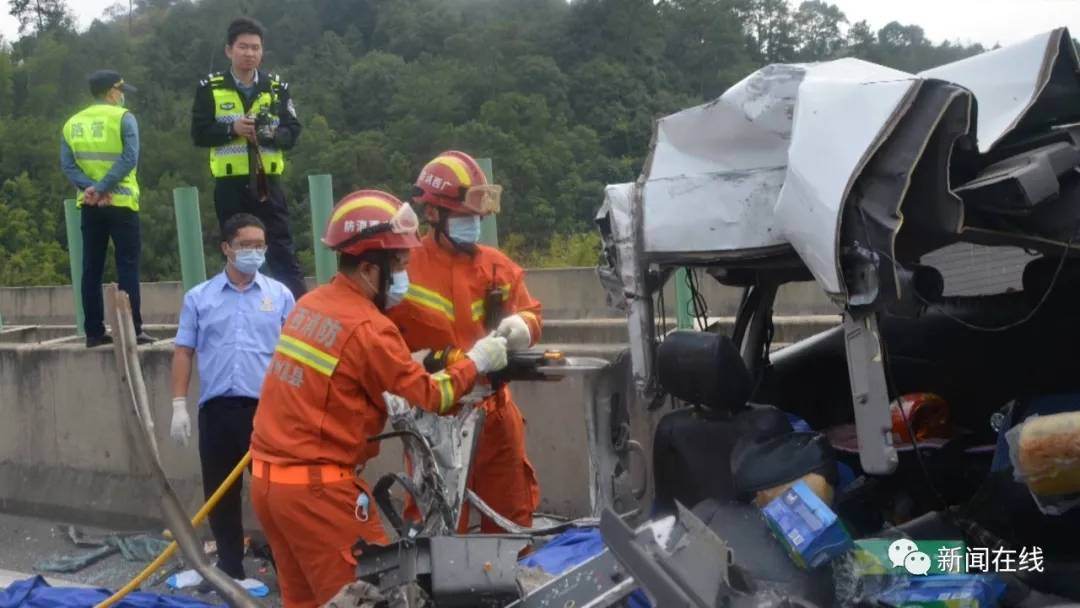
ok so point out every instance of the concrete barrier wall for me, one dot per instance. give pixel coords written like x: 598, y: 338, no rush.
x: 66, y: 451
x: 566, y: 293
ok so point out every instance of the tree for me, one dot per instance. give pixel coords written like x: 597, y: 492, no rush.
x: 562, y: 96
x: 624, y: 30
x: 768, y: 23
x: 818, y: 31
x: 861, y: 41
x: 707, y: 45
x: 41, y: 15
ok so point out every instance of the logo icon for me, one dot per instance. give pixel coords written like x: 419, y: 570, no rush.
x: 904, y: 553
x: 899, y: 549
x: 228, y: 105
x: 917, y: 563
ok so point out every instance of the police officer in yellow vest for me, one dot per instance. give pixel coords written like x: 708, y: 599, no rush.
x: 247, y: 119
x: 99, y: 154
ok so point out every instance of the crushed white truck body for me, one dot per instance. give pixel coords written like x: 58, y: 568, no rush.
x: 850, y: 172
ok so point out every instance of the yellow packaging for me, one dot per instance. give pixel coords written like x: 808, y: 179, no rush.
x: 1045, y: 453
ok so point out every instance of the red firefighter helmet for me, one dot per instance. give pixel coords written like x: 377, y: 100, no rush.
x: 454, y: 180
x: 926, y: 413
x: 370, y: 220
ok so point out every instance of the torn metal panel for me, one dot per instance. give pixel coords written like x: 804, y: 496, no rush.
x: 622, y: 273
x: 685, y: 214
x: 441, y: 449
x: 451, y: 570
x: 619, y: 274
x: 875, y: 213
x: 715, y: 170
x: 1013, y: 83
x: 769, y: 167
x: 618, y: 465
x: 830, y: 145
x: 598, y: 582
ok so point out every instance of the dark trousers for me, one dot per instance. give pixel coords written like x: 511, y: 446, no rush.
x: 233, y: 195
x: 224, y: 437
x: 99, y: 224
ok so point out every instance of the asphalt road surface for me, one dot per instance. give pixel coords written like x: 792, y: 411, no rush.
x: 26, y: 542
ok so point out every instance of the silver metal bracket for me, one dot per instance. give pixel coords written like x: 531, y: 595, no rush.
x: 869, y: 393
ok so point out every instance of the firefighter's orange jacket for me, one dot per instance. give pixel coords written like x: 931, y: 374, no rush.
x: 322, y: 397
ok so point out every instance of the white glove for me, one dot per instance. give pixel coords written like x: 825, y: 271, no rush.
x: 489, y: 354
x: 394, y: 404
x: 181, y: 422
x: 516, y: 331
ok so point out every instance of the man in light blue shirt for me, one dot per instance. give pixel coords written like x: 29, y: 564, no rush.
x: 232, y: 322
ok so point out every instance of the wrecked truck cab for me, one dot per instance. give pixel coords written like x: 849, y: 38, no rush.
x: 938, y: 211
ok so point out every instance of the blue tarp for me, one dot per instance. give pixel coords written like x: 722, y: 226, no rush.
x: 36, y: 593
x: 569, y: 549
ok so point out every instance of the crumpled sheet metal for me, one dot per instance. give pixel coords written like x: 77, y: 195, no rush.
x: 1008, y: 81
x: 770, y: 164
x: 716, y: 170
x: 359, y: 594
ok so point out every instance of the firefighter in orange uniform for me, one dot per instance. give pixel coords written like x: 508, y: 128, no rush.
x: 338, y: 361
x: 454, y: 285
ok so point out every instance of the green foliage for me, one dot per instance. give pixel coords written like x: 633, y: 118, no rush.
x: 28, y: 236
x: 563, y: 250
x: 561, y: 95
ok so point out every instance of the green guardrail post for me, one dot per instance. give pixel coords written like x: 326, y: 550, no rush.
x: 489, y: 233
x: 73, y: 219
x: 682, y: 300
x: 321, y: 188
x: 189, y: 236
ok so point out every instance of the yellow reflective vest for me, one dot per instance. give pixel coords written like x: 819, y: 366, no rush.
x: 231, y: 159
x: 96, y: 141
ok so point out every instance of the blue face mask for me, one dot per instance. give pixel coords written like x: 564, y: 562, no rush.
x: 464, y: 229
x: 399, y: 286
x: 249, y: 260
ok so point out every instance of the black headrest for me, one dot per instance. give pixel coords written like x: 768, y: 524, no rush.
x: 761, y: 422
x: 704, y: 369
x: 761, y: 465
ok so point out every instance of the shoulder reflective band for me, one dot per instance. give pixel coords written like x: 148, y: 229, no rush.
x: 322, y: 362
x: 430, y: 299
x: 446, y: 391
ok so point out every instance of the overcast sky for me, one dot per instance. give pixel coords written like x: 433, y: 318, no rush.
x: 985, y: 21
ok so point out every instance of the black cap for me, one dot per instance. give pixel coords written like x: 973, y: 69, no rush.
x: 103, y: 80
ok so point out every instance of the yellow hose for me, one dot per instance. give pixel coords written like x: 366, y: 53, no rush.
x: 196, y: 521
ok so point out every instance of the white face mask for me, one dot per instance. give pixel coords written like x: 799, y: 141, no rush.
x: 248, y: 261
x: 399, y: 286
x: 464, y: 229
x: 395, y: 293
